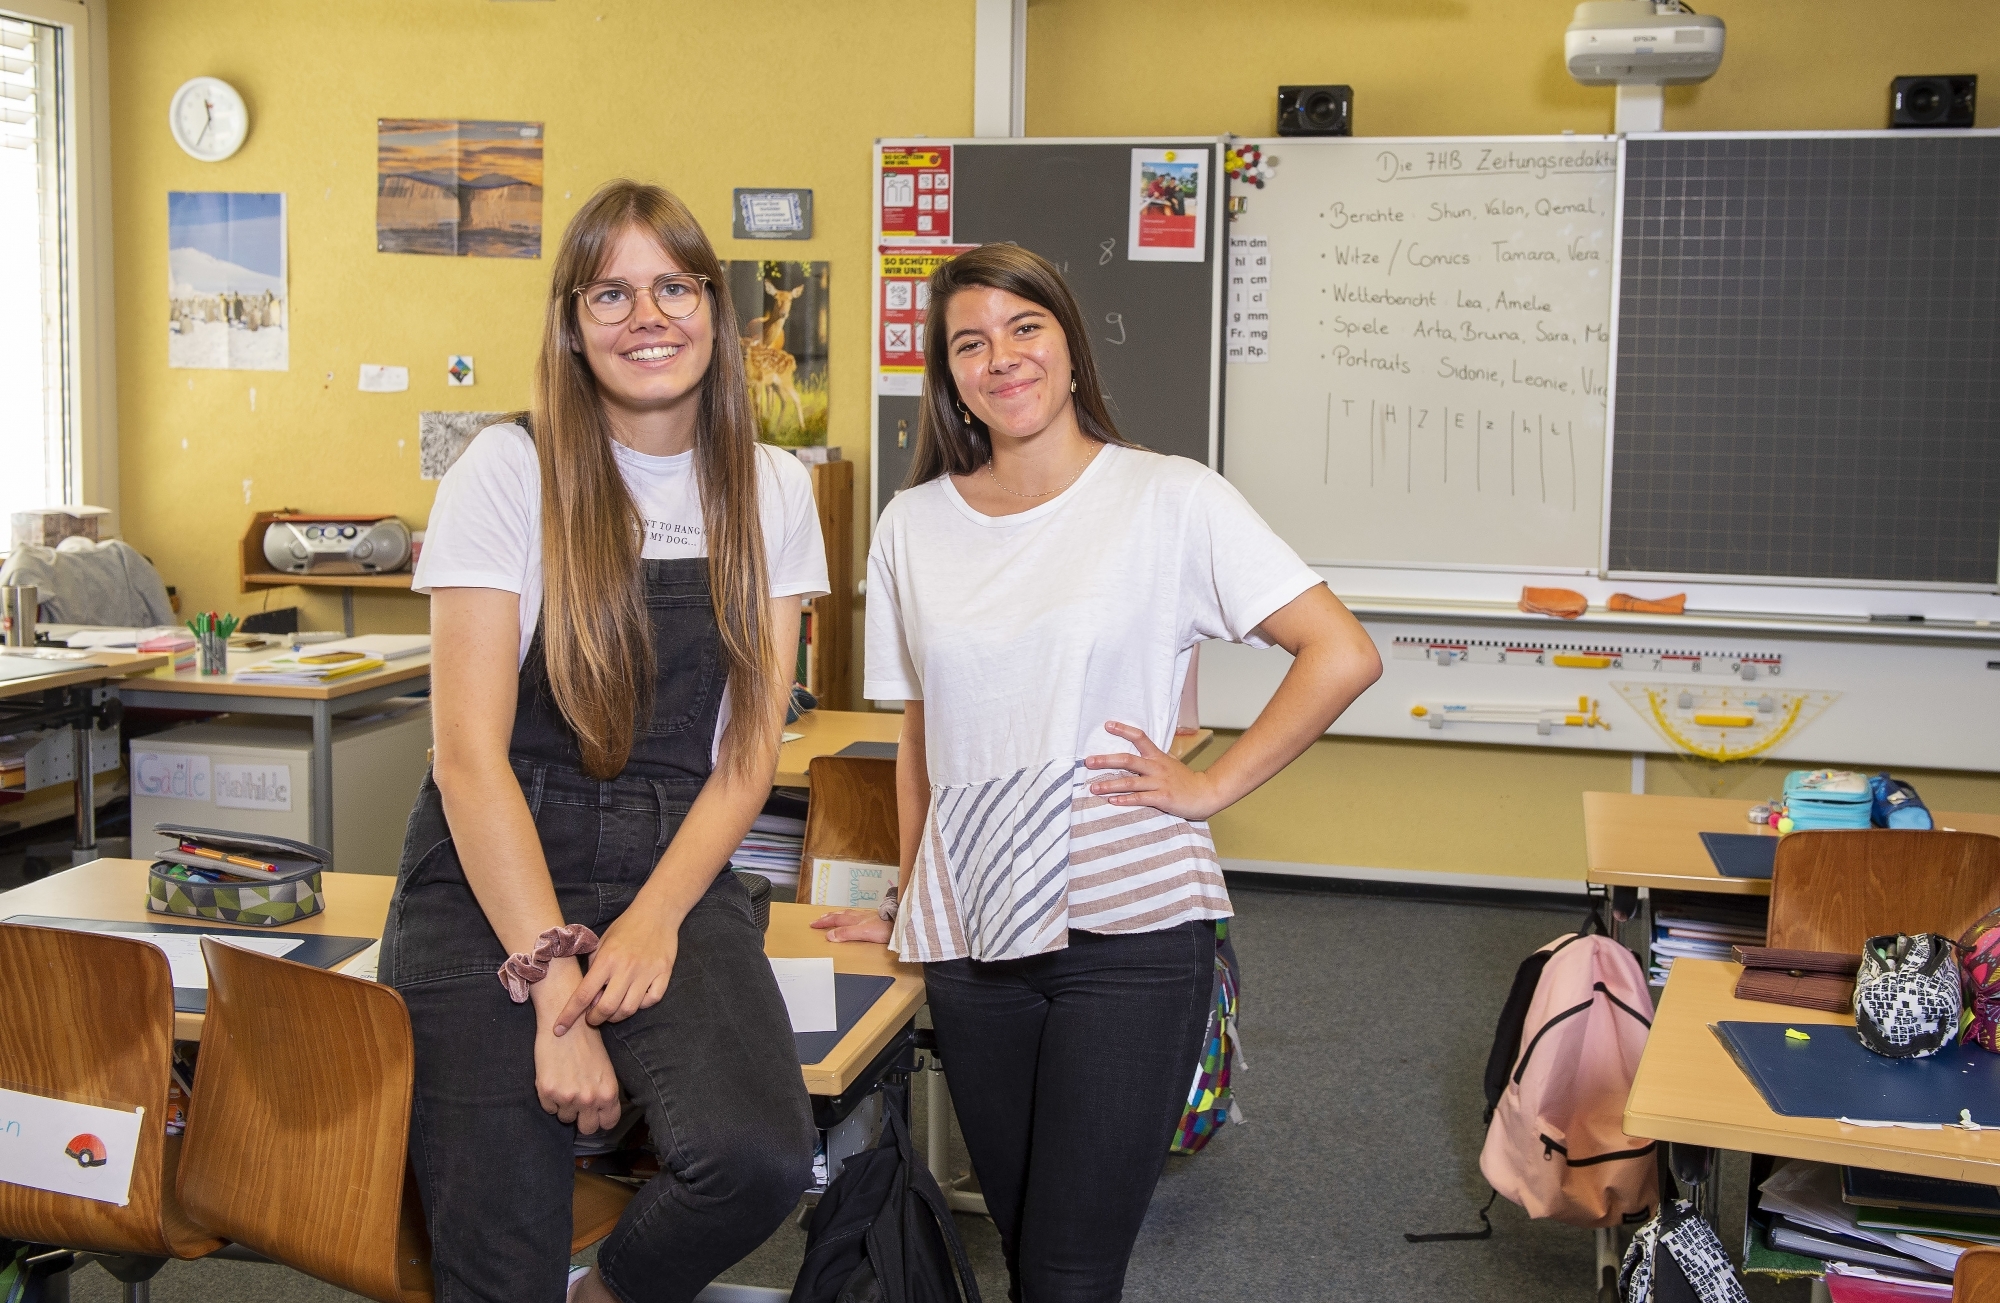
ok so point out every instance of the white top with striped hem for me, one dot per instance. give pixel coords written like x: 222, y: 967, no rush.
x: 1024, y: 635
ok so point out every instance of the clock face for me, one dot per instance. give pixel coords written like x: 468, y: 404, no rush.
x: 208, y: 119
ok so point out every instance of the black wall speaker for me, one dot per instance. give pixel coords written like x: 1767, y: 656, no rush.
x: 1315, y: 110
x: 1931, y: 101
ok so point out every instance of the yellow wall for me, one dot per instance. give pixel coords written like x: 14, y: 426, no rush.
x: 1463, y: 67
x: 696, y: 95
x: 706, y: 96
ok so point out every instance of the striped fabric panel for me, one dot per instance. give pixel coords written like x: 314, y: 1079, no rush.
x: 992, y: 877
x: 1136, y: 869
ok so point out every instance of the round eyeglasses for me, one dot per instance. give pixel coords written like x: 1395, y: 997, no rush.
x: 610, y: 303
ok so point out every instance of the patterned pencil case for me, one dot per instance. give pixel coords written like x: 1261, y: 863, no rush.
x: 197, y: 880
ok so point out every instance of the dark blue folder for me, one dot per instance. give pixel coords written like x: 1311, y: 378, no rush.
x: 1741, y: 854
x: 869, y: 750
x: 854, y: 994
x: 1834, y: 1075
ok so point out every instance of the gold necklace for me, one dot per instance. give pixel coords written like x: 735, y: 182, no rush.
x: 1046, y: 493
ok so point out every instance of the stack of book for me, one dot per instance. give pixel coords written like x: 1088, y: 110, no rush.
x: 775, y: 843
x: 1881, y: 1236
x: 310, y: 667
x: 1691, y: 925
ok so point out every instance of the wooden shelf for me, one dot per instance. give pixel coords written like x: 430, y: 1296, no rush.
x: 255, y: 572
x: 833, y: 615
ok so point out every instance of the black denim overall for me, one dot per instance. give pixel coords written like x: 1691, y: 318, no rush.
x: 712, y: 1066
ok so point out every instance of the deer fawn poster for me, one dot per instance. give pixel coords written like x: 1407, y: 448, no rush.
x: 465, y: 189
x: 781, y: 314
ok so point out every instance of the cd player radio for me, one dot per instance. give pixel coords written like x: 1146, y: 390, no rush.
x: 337, y: 545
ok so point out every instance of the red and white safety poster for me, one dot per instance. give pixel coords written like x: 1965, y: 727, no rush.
x: 916, y: 194
x: 905, y: 274
x: 1169, y: 205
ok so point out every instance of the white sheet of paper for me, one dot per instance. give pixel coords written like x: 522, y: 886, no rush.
x: 807, y: 985
x: 183, y: 951
x: 47, y: 1144
x: 384, y: 379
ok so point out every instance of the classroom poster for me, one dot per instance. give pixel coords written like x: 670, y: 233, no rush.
x: 226, y: 281
x: 904, y: 277
x: 916, y: 197
x: 1169, y: 205
x: 460, y: 189
x: 781, y: 317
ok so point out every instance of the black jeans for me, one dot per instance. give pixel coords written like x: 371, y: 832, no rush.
x: 1069, y: 1072
x: 713, y: 1066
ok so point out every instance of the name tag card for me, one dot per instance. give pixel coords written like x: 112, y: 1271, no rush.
x: 79, y: 1149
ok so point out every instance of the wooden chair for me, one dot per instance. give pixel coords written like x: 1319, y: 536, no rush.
x: 851, y: 815
x: 1977, y: 1279
x: 298, y: 1134
x: 1834, y: 890
x: 93, y: 1021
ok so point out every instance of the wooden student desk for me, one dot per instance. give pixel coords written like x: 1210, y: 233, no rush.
x: 357, y: 905
x: 190, y: 690
x: 62, y: 677
x: 824, y: 732
x: 1655, y: 841
x: 1689, y: 1091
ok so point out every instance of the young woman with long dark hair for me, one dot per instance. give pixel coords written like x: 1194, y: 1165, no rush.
x: 615, y: 578
x: 1034, y: 594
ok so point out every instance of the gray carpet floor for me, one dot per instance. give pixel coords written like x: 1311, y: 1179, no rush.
x: 1366, y: 1021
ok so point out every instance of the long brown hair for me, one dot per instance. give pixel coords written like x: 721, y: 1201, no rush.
x: 596, y: 636
x: 949, y: 444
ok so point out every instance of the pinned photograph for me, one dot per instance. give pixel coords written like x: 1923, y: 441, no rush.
x: 226, y: 281
x: 460, y: 189
x: 781, y: 312
x: 1169, y: 205
x: 458, y: 371
x: 442, y: 436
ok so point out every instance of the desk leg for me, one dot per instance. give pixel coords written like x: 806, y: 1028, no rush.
x: 347, y: 611
x: 86, y: 795
x: 1700, y: 1170
x: 322, y: 776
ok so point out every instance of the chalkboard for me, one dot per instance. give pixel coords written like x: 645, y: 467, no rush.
x: 1808, y: 358
x: 1155, y: 325
x: 1426, y: 383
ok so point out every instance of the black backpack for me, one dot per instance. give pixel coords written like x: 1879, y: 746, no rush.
x: 882, y: 1232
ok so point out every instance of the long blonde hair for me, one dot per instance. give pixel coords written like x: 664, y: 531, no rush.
x: 596, y: 635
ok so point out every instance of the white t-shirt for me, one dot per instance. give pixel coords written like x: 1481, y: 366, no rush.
x: 485, y: 528
x: 1022, y: 635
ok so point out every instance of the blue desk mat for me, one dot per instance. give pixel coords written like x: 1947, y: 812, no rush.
x: 1834, y: 1075
x: 854, y: 994
x: 316, y: 949
x: 1741, y: 854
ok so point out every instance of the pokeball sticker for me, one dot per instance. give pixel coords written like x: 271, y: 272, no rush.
x: 87, y: 1150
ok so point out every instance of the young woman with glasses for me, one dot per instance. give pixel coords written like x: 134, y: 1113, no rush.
x: 615, y: 583
x: 1034, y: 593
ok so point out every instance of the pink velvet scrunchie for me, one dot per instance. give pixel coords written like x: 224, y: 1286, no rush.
x: 522, y: 971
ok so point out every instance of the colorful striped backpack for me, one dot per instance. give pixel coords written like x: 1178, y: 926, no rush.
x: 1211, y: 1102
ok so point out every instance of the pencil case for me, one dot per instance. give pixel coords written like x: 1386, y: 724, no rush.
x: 1805, y: 979
x: 291, y: 892
x: 1828, y: 798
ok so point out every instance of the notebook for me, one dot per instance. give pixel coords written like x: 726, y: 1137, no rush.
x: 854, y: 994
x: 1741, y: 854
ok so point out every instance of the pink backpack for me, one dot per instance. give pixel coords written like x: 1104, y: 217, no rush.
x: 1556, y: 1094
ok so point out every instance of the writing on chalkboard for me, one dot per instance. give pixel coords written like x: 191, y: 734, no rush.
x: 1437, y: 351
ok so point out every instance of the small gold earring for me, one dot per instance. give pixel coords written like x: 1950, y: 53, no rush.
x: 964, y: 415
x: 1072, y: 384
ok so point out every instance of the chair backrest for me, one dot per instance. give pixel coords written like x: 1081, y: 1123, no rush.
x: 852, y: 814
x: 93, y: 1021
x: 1977, y: 1279
x: 298, y: 1132
x: 1833, y: 890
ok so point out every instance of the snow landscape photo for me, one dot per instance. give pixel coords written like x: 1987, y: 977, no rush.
x: 226, y: 281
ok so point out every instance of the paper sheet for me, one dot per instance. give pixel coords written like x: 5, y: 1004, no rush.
x: 807, y: 985
x: 376, y: 379
x: 183, y: 951
x: 77, y: 1149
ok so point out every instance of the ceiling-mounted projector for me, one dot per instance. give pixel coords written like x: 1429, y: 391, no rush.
x: 1613, y: 42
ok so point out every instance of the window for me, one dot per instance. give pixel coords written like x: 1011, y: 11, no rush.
x: 39, y: 463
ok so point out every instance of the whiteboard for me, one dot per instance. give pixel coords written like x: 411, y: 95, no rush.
x: 1426, y: 380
